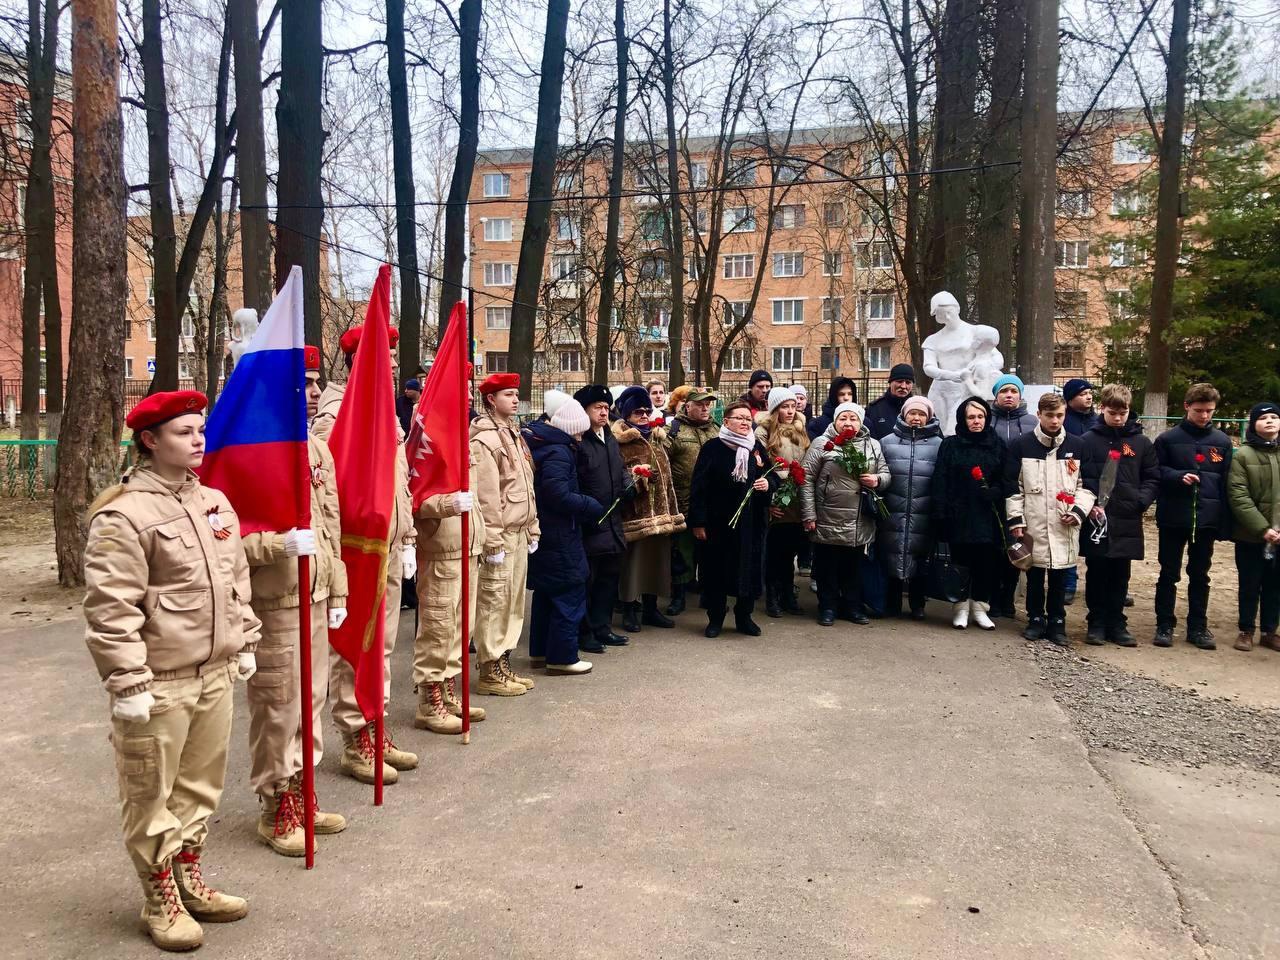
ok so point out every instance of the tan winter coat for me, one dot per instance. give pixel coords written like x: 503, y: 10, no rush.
x: 791, y: 442
x: 1034, y: 501
x: 655, y: 510
x: 164, y: 598
x: 440, y: 528
x: 502, y: 481
x: 274, y: 575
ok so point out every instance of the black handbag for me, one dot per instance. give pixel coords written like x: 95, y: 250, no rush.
x: 944, y: 579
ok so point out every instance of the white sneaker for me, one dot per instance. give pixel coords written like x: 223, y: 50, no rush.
x: 960, y: 614
x: 571, y: 669
x: 813, y: 585
x: 979, y: 612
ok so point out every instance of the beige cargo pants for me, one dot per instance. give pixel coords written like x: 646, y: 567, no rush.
x: 500, y: 602
x: 342, y: 679
x: 437, y: 649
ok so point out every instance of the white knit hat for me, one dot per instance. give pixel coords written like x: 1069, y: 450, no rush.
x: 553, y: 400
x: 778, y: 396
x: 851, y: 407
x: 570, y: 417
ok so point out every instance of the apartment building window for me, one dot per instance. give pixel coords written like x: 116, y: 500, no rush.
x: 657, y: 361
x: 833, y: 214
x: 184, y: 372
x: 738, y: 359
x: 789, y: 264
x: 697, y: 174
x: 788, y: 311
x: 826, y: 356
x: 497, y: 318
x: 1073, y: 203
x: 566, y: 228
x: 128, y: 368
x: 566, y: 183
x: 1129, y: 150
x: 789, y: 216
x: 497, y: 229
x: 736, y: 312
x: 693, y: 267
x: 789, y: 171
x: 497, y: 184
x: 1072, y: 253
x: 1127, y: 201
x: 564, y: 266
x: 653, y: 226
x: 1120, y: 303
x: 499, y: 274
x: 739, y: 266
x: 151, y: 293
x: 740, y: 173
x: 151, y: 329
x: 878, y: 306
x: 700, y: 218
x: 495, y: 362
x: 871, y: 219
x: 187, y: 327
x: 617, y: 361
x: 788, y: 358
x: 653, y: 268
x: 831, y: 309
x: 878, y: 355
x: 1122, y: 253
x: 738, y: 219
x: 832, y: 263
x: 876, y: 255
x: 1069, y: 306
x: 570, y: 361
x: 1068, y: 356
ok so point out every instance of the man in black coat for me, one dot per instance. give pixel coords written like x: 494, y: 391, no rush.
x: 1121, y: 469
x: 883, y: 413
x: 407, y: 402
x: 842, y: 390
x: 601, y: 476
x: 1191, y: 513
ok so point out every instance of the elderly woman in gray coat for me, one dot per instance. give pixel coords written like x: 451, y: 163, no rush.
x: 910, y: 449
x: 845, y: 472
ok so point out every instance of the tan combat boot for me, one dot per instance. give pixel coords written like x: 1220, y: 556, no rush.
x: 494, y: 682
x: 358, y: 757
x: 394, y: 756
x: 505, y: 664
x: 201, y: 900
x: 432, y: 714
x: 163, y: 915
x: 326, y: 824
x: 280, y: 823
x: 453, y: 704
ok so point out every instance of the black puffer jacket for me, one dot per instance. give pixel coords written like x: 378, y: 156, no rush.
x: 817, y: 426
x: 1177, y: 449
x: 1011, y: 424
x: 602, y: 477
x: 966, y: 511
x: 883, y: 414
x: 1137, y: 482
x: 912, y: 453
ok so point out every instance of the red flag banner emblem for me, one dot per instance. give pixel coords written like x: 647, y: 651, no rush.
x: 437, y: 444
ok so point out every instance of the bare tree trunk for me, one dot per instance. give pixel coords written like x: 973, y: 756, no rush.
x: 604, y: 316
x: 1168, y: 227
x: 89, y: 447
x: 300, y: 217
x: 406, y: 213
x: 251, y: 154
x: 998, y: 187
x: 533, y: 242
x: 164, y: 240
x: 455, y: 215
x: 675, y: 329
x: 1039, y: 194
x: 219, y: 312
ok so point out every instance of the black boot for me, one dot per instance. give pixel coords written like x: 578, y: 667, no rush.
x: 1118, y: 633
x: 742, y: 619
x: 676, y: 606
x: 651, y: 617
x: 631, y: 617
x: 771, y: 605
x: 1058, y: 633
x: 715, y: 617
x: 1096, y: 635
x: 791, y: 599
x: 1036, y: 629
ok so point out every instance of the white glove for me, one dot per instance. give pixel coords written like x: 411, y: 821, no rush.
x: 247, y: 664
x: 300, y: 543
x: 408, y: 562
x: 134, y: 709
x: 496, y: 558
x: 533, y: 546
x: 463, y: 502
x: 337, y: 617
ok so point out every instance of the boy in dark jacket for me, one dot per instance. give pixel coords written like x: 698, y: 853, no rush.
x: 842, y: 390
x: 1191, y: 513
x: 1121, y: 469
x: 1253, y: 489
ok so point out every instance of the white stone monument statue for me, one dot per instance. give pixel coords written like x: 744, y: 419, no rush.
x: 244, y: 324
x: 963, y: 360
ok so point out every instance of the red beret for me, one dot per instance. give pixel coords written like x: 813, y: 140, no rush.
x: 161, y: 407
x: 500, y: 381
x: 311, y: 357
x: 351, y: 339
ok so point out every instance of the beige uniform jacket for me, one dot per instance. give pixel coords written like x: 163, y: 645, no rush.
x: 440, y: 528
x: 275, y: 575
x: 502, y: 481
x: 167, y: 583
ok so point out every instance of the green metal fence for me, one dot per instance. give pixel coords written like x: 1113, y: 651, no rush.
x: 28, y: 467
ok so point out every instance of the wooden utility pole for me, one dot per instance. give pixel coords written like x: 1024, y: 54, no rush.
x: 1168, y: 226
x: 406, y: 211
x: 89, y: 447
x: 251, y: 155
x: 464, y: 163
x: 609, y: 279
x: 1039, y: 194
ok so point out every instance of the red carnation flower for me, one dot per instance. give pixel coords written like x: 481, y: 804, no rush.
x: 783, y: 462
x: 847, y: 435
x: 797, y: 472
x: 1066, y: 498
x: 642, y: 471
x: 1199, y: 458
x: 829, y: 446
x: 1114, y: 454
x: 976, y: 473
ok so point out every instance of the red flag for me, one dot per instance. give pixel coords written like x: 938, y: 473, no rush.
x: 437, y: 443
x: 364, y: 446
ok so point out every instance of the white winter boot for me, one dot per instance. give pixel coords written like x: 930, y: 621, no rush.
x: 960, y: 614
x: 978, y: 610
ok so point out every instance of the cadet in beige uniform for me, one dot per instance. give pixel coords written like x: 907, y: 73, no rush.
x: 170, y: 627
x: 275, y: 720
x: 402, y: 562
x: 503, y: 486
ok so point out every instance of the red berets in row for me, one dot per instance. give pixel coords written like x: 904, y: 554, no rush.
x: 311, y: 357
x: 162, y: 407
x: 351, y: 339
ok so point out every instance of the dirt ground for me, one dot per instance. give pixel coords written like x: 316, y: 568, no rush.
x: 29, y: 591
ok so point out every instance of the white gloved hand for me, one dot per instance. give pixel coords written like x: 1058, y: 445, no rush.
x: 533, y: 546
x: 463, y: 502
x: 134, y: 709
x: 337, y: 617
x: 408, y: 562
x: 300, y: 543
x: 496, y: 558
x: 246, y: 664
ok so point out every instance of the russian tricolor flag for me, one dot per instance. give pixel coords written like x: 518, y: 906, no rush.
x: 256, y: 435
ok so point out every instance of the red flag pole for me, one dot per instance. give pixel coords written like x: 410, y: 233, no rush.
x: 464, y: 398
x: 378, y: 723
x: 304, y: 698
